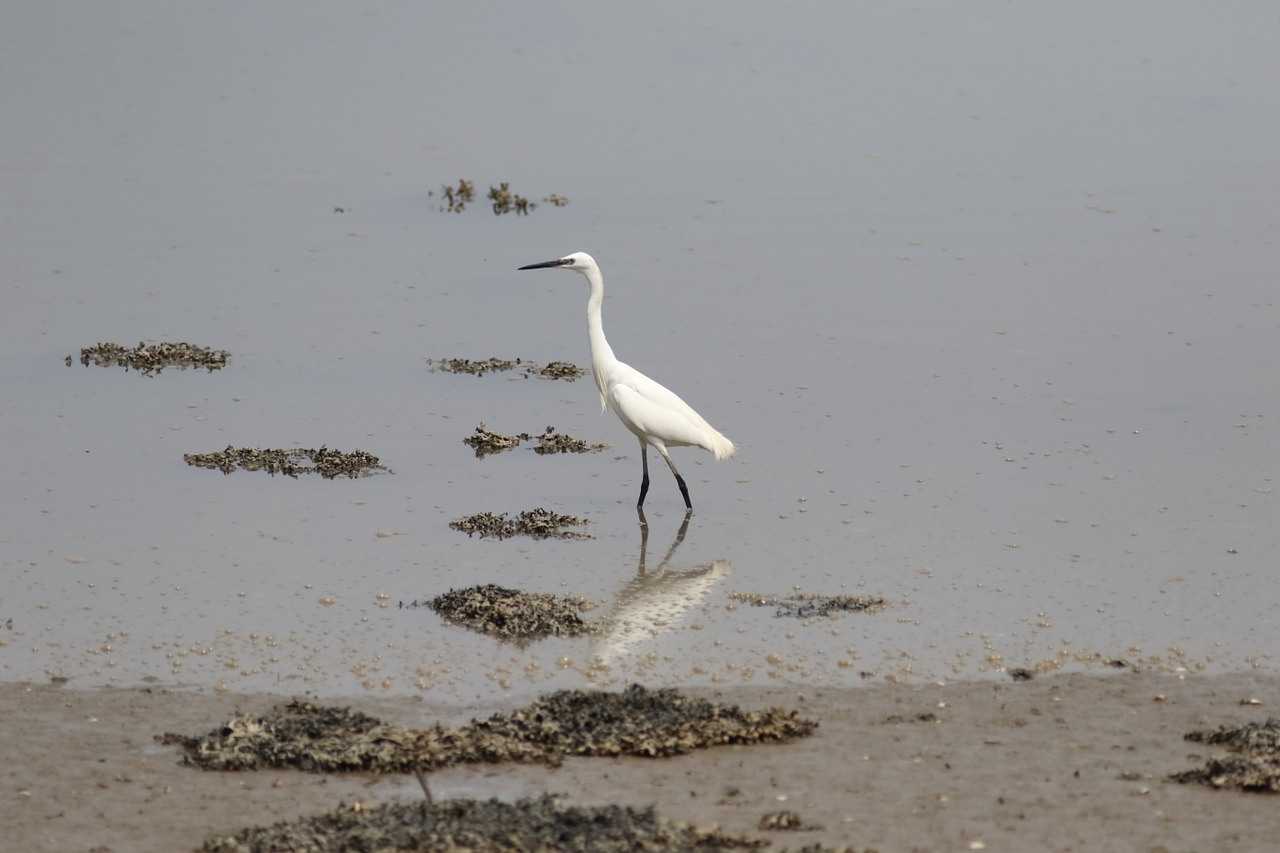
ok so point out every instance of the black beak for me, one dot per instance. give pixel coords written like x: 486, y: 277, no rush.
x: 562, y: 262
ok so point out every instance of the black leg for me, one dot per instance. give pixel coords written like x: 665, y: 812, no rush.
x: 644, y: 483
x: 684, y: 490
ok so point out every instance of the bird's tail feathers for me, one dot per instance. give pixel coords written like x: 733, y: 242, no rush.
x: 721, y: 447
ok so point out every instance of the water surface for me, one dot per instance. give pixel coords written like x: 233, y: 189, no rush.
x: 984, y: 294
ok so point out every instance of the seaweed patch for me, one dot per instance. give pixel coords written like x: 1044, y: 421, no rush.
x: 486, y: 442
x: 637, y: 721
x: 1255, y: 766
x: 502, y: 199
x: 150, y: 359
x: 536, y: 523
x: 329, y: 464
x: 510, y: 614
x: 810, y: 605
x: 551, y: 370
x: 483, y: 826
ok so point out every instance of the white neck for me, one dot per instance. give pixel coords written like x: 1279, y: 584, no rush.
x: 602, y: 357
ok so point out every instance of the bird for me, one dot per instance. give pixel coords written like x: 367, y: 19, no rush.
x: 653, y: 413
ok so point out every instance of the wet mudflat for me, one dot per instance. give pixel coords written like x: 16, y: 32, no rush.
x: 1062, y: 763
x: 637, y: 722
x: 1017, y: 384
x: 951, y: 388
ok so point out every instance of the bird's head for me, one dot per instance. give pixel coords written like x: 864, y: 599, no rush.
x: 578, y: 261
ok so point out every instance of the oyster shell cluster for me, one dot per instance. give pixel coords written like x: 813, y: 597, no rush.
x: 1254, y: 766
x: 150, y: 359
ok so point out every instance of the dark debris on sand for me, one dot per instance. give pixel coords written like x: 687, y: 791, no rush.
x: 1254, y: 767
x: 485, y: 442
x: 786, y: 821
x: 475, y: 368
x: 321, y: 739
x: 537, y: 523
x: 511, y: 614
x: 325, y: 462
x: 483, y: 826
x: 637, y: 721
x: 808, y: 606
x: 552, y: 370
x: 502, y: 199
x: 553, y: 442
x: 640, y: 721
x: 561, y: 370
x: 150, y: 359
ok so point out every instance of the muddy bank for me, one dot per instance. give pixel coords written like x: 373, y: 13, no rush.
x: 1056, y: 763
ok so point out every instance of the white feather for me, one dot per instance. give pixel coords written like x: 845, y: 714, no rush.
x: 653, y: 413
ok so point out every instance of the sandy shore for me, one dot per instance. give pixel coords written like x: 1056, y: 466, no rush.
x: 1074, y: 762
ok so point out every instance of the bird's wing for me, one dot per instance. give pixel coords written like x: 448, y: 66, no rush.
x: 650, y: 409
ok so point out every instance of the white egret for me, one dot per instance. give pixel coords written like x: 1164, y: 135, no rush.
x: 654, y: 414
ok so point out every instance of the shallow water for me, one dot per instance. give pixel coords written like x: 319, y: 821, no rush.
x: 984, y: 295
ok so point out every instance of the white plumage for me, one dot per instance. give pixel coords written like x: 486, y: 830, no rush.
x: 653, y: 413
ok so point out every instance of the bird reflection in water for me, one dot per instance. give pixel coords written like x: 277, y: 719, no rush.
x: 655, y: 600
